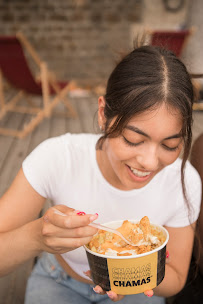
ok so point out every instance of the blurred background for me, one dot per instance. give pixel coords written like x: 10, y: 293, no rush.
x: 81, y: 41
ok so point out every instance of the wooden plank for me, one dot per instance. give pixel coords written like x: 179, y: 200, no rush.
x: 41, y: 133
x: 86, y: 111
x: 58, y: 126
x: 14, y: 158
x: 74, y: 125
x: 11, y: 120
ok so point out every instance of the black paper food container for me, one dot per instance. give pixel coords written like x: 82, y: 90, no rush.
x: 129, y: 274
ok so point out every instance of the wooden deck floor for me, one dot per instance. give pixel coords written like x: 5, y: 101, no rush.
x: 13, y: 151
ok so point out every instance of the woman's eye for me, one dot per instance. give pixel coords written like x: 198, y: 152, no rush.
x: 170, y: 148
x: 129, y: 143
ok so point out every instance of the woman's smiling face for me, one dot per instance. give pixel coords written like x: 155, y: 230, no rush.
x: 149, y: 142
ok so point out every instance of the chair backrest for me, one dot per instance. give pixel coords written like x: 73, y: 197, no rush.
x: 172, y: 40
x: 14, y: 67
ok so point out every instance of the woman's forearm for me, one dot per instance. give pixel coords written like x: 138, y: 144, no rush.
x: 171, y: 284
x: 19, y: 245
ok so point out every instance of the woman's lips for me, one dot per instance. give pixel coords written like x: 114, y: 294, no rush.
x: 138, y: 175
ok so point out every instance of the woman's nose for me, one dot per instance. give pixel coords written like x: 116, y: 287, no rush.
x: 149, y: 159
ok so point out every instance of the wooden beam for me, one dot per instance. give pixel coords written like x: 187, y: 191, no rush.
x: 24, y: 109
x: 45, y: 89
x: 9, y: 132
x: 198, y: 106
x: 11, y: 104
x: 29, y: 48
x: 65, y: 101
x: 2, y: 100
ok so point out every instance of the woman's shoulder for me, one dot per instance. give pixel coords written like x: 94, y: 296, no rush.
x: 190, y: 173
x: 62, y: 147
x: 176, y: 167
x: 80, y: 139
x: 70, y: 140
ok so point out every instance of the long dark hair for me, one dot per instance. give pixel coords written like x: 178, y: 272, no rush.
x: 143, y: 80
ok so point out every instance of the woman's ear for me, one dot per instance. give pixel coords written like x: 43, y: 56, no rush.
x: 101, y: 116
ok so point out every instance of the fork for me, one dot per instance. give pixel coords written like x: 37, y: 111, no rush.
x: 99, y: 226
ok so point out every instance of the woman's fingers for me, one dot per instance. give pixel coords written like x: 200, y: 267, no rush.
x: 149, y: 293
x: 69, y: 220
x: 99, y: 290
x: 114, y: 296
x: 63, y: 229
x: 111, y: 294
x: 50, y: 230
x: 61, y: 245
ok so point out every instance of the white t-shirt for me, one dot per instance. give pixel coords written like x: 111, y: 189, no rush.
x: 65, y: 170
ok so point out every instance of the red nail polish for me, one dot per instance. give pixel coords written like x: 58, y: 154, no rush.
x: 81, y: 213
x: 167, y: 254
x: 149, y: 294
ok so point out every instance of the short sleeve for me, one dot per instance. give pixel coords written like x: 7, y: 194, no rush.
x: 186, y: 213
x: 43, y: 166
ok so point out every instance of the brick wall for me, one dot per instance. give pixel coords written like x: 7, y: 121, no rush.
x: 78, y: 38
x: 82, y: 39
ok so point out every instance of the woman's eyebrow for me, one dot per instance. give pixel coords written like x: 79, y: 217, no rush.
x: 178, y: 135
x: 134, y: 129
x: 137, y: 130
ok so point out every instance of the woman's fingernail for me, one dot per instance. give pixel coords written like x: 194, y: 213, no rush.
x: 97, y: 290
x: 93, y: 217
x: 110, y: 295
x: 167, y: 254
x: 80, y: 213
x: 149, y: 293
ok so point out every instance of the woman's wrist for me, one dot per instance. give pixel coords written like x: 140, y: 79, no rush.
x: 35, y: 234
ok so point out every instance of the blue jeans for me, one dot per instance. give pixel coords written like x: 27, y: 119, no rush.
x: 49, y: 284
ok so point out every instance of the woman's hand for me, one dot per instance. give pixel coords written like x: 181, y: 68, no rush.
x: 111, y: 294
x: 114, y: 296
x: 60, y: 234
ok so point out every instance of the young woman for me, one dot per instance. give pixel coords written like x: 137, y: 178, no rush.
x: 133, y: 169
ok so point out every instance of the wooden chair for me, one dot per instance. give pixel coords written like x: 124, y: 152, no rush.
x: 15, y: 69
x: 174, y: 40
